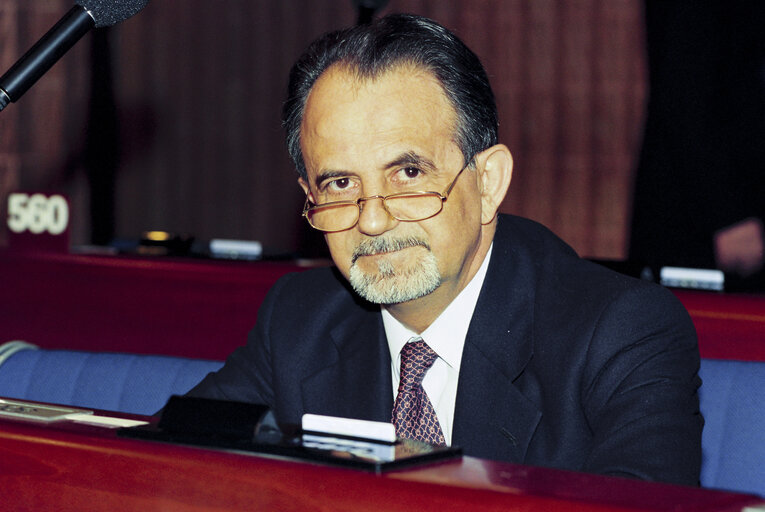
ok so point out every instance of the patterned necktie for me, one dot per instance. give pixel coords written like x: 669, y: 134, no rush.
x: 413, y: 414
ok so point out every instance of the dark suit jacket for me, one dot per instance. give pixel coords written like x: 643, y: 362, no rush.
x: 566, y: 364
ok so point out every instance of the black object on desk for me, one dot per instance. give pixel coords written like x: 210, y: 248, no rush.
x: 252, y: 428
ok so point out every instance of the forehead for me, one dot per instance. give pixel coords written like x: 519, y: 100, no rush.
x: 350, y: 121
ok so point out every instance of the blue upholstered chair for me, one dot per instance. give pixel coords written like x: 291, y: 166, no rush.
x: 132, y: 383
x: 732, y: 398
x: 733, y: 442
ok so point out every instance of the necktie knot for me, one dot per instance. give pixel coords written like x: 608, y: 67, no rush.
x: 416, y: 358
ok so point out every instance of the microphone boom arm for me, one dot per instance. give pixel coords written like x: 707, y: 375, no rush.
x: 41, y: 57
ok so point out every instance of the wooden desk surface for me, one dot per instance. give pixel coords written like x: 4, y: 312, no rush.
x: 68, y: 466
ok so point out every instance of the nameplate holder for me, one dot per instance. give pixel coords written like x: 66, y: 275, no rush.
x: 253, y: 428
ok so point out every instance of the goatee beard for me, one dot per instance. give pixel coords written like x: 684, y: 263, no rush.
x: 391, y: 285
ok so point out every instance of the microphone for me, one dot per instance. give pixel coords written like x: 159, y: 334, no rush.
x: 85, y: 15
x: 367, y: 9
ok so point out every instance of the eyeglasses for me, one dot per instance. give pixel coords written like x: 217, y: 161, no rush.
x: 404, y: 206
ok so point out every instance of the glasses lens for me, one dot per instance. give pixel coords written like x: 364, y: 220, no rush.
x: 406, y: 207
x: 414, y: 206
x: 333, y: 217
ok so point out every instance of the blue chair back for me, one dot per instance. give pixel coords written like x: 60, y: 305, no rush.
x: 132, y: 383
x: 732, y: 399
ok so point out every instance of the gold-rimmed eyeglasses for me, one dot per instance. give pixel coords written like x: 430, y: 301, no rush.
x: 404, y: 206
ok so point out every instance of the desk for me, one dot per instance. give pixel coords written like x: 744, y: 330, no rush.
x: 729, y: 326
x: 183, y: 307
x: 68, y: 466
x: 204, y: 309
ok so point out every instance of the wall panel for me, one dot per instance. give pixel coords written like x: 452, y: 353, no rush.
x: 200, y: 84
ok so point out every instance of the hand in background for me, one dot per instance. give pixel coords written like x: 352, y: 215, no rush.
x: 740, y: 248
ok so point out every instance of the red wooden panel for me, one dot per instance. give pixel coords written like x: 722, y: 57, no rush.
x: 154, y: 306
x: 65, y: 466
x: 729, y: 326
x: 205, y: 309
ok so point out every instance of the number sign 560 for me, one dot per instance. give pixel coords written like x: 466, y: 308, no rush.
x: 37, y: 213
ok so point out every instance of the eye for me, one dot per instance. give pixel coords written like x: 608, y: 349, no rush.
x: 338, y: 184
x: 338, y: 188
x: 411, y: 172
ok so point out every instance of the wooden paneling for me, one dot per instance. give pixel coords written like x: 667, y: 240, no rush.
x: 68, y: 466
x: 200, y: 86
x: 41, y: 135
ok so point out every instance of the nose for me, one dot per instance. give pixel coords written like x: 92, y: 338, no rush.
x: 374, y: 219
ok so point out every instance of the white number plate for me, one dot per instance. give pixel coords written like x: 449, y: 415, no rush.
x: 37, y: 213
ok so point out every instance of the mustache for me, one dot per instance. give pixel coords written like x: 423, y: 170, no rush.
x: 381, y: 245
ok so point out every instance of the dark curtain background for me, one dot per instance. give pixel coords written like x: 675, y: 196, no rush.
x: 197, y: 88
x: 702, y: 165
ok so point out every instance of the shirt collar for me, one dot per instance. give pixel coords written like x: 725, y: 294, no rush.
x: 446, y: 335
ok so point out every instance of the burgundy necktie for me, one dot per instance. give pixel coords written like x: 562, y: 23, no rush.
x: 413, y: 414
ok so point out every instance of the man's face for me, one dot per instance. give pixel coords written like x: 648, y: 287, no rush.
x: 378, y: 137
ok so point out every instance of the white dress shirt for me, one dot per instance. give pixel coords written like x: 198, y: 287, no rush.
x: 446, y: 336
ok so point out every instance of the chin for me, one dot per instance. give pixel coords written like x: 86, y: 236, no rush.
x: 391, y: 285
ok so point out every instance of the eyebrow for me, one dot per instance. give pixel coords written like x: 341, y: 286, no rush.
x: 411, y: 158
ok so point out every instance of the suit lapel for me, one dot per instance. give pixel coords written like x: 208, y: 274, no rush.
x: 356, y: 383
x: 493, y: 418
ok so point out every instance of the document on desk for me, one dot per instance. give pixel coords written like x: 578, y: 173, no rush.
x: 19, y: 409
x: 105, y: 421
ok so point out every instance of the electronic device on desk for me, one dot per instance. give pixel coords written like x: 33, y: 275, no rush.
x: 692, y: 278
x: 366, y: 445
x: 164, y: 243
x: 675, y: 276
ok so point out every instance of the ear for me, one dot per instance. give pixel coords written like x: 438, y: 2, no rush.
x: 495, y: 166
x: 304, y: 185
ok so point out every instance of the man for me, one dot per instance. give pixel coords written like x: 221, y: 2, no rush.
x: 531, y: 354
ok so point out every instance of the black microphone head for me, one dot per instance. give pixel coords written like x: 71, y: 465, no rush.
x: 109, y: 12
